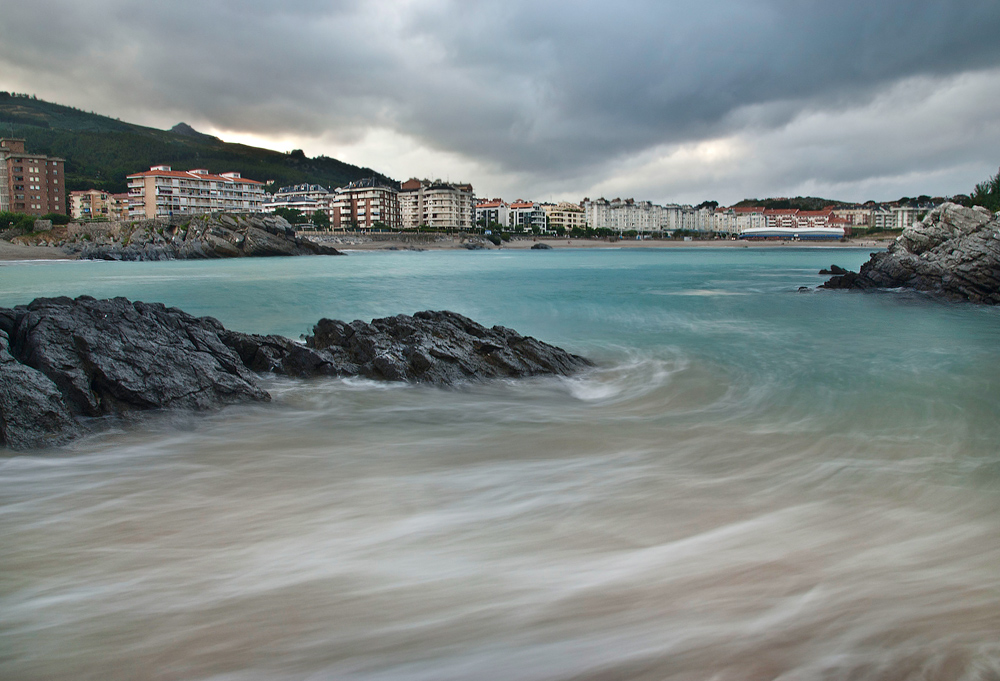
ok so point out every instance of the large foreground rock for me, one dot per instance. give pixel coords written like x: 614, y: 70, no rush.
x: 32, y: 410
x: 63, y: 359
x: 88, y: 357
x: 954, y: 252
x: 204, y: 236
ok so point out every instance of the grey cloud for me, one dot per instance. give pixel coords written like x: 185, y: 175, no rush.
x: 551, y: 90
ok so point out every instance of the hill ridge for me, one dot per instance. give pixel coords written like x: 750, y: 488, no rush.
x: 101, y: 151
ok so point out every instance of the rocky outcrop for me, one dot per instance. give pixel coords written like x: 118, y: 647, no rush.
x: 441, y: 348
x: 954, y: 252
x: 204, y: 236
x: 540, y: 246
x: 87, y: 357
x: 62, y: 360
x: 32, y: 410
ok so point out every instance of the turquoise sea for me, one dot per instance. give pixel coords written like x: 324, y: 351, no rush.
x: 756, y: 482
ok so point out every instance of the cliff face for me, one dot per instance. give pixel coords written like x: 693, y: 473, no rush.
x: 203, y: 236
x: 954, y: 253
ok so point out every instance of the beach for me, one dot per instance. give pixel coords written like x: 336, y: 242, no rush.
x: 376, y: 242
x: 9, y: 251
x: 426, y: 242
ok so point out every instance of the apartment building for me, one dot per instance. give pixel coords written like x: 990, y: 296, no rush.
x: 30, y: 183
x: 623, y: 215
x: 495, y: 211
x: 436, y: 204
x: 96, y: 204
x: 564, y: 214
x: 858, y: 216
x: 307, y: 198
x: 526, y: 216
x: 749, y: 217
x: 163, y: 192
x: 364, y: 204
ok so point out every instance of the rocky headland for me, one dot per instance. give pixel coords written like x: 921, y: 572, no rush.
x: 63, y: 360
x: 953, y: 253
x: 216, y: 235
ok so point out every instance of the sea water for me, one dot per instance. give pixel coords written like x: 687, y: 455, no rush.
x: 756, y: 482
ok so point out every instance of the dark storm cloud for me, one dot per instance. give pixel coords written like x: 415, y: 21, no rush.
x: 554, y: 90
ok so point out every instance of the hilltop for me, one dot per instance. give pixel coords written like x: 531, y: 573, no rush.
x: 800, y: 202
x: 101, y: 151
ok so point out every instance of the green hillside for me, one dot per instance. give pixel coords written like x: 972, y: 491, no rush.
x: 101, y: 151
x: 800, y: 202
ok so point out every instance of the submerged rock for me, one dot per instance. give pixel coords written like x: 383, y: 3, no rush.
x: 954, y: 252
x: 63, y: 359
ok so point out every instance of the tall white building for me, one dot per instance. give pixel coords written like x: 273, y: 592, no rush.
x: 623, y: 215
x: 163, y: 192
x: 437, y: 204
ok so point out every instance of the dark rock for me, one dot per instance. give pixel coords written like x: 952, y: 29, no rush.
x: 205, y: 236
x: 541, y: 247
x: 475, y: 246
x: 954, y: 253
x: 32, y: 410
x: 834, y: 269
x: 115, y: 356
x: 62, y: 359
x: 441, y: 348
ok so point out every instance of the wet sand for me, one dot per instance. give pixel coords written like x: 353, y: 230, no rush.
x: 363, y: 243
x: 9, y: 251
x: 17, y: 252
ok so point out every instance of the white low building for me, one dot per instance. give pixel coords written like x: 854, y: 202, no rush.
x: 526, y: 216
x: 307, y: 198
x: 493, y: 212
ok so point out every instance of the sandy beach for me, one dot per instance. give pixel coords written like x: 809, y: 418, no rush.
x: 444, y: 242
x: 17, y: 252
x: 9, y: 251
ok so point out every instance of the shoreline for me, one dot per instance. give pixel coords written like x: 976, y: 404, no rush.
x: 10, y: 252
x: 361, y: 243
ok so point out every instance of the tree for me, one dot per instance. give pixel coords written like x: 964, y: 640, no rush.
x: 321, y: 220
x: 293, y: 215
x: 987, y: 193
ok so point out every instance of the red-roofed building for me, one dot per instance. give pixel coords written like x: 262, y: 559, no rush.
x: 781, y: 217
x: 814, y: 218
x: 163, y: 192
x: 492, y: 212
x: 526, y: 216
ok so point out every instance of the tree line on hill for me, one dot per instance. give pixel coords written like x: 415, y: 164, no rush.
x: 100, y: 152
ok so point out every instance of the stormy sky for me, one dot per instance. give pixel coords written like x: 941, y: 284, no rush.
x: 671, y: 101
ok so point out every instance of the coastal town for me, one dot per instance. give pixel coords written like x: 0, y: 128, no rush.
x: 34, y: 184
